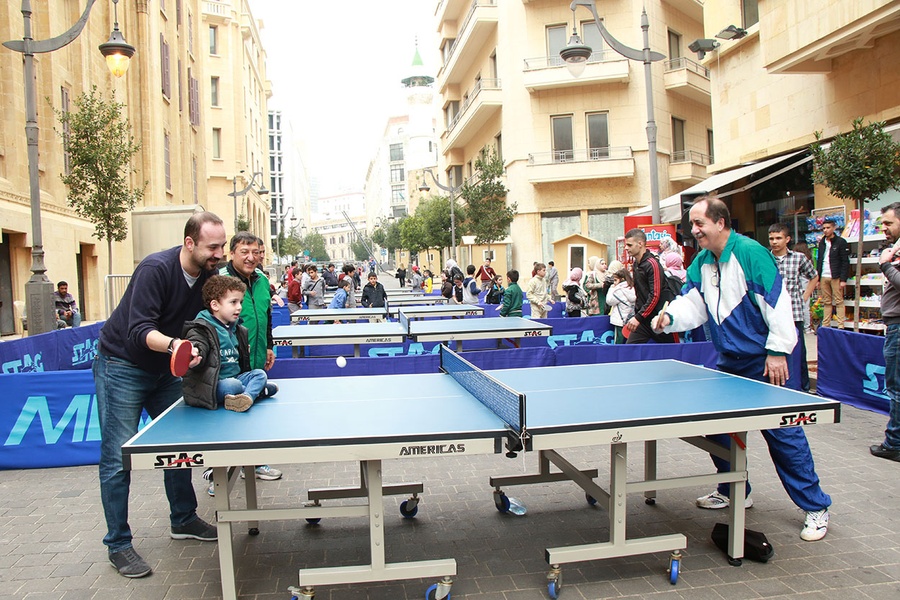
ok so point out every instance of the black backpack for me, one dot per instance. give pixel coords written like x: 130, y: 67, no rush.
x: 756, y: 545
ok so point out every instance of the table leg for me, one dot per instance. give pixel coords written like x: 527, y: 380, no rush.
x: 225, y: 543
x: 737, y: 489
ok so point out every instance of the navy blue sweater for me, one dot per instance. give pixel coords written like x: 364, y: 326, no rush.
x: 158, y: 297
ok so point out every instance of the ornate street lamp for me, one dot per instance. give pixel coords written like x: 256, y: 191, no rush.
x: 39, y: 290
x: 262, y: 191
x: 576, y: 54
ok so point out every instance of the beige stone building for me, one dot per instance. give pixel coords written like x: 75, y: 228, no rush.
x: 575, y: 149
x: 169, y: 102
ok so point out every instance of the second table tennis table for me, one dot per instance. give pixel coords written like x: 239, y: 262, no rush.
x: 472, y: 412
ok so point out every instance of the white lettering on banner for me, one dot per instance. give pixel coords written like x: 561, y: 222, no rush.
x: 27, y: 364
x: 85, y: 352
x: 81, y: 413
x: 873, y: 384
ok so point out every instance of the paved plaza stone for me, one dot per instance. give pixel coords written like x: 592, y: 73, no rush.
x: 51, y: 525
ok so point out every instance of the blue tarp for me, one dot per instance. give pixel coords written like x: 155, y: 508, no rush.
x: 850, y: 369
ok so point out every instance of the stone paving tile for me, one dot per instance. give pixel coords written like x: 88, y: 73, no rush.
x: 51, y: 527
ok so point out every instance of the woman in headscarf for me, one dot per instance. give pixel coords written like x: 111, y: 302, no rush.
x: 596, y: 284
x: 575, y: 300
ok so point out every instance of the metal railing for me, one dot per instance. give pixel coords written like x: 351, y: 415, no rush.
x: 481, y: 84
x: 544, y: 62
x: 465, y: 23
x: 580, y: 155
x: 113, y: 289
x: 675, y: 64
x: 690, y: 156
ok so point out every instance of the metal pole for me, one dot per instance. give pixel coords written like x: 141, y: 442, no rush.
x: 234, y: 196
x: 452, y: 225
x: 651, y: 121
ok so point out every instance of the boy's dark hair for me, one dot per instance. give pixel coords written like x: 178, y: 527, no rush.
x: 218, y: 285
x: 550, y: 263
x: 345, y: 282
x: 780, y: 228
x: 539, y: 266
x: 310, y: 268
x: 470, y: 269
x: 348, y: 269
x: 457, y: 277
x: 372, y: 274
x: 513, y: 275
x: 636, y: 234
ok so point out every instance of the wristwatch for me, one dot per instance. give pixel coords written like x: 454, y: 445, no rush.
x: 171, y: 347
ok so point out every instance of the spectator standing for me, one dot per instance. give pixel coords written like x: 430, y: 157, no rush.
x: 512, y: 297
x: 314, y: 289
x: 456, y: 292
x: 416, y: 280
x: 620, y: 298
x: 341, y: 296
x: 552, y: 277
x: 131, y: 374
x: 330, y: 277
x: 753, y: 340
x: 649, y: 290
x: 803, y: 248
x: 833, y: 267
x: 538, y: 294
x: 486, y: 275
x: 470, y: 287
x: 66, y: 307
x: 348, y: 272
x: 373, y: 294
x: 596, y: 284
x: 575, y: 300
x: 428, y: 281
x: 453, y: 270
x: 446, y: 285
x: 495, y: 293
x: 401, y: 275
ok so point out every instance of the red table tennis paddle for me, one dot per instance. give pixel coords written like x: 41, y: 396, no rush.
x: 182, y: 354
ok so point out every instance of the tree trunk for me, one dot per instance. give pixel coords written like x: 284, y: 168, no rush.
x: 859, y: 256
x: 109, y: 256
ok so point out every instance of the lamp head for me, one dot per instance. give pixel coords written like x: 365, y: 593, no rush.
x: 576, y: 54
x: 702, y: 46
x: 118, y: 52
x: 424, y: 187
x: 732, y: 32
x: 263, y: 191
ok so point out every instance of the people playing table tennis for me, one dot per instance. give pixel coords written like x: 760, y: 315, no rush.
x: 457, y: 292
x: 512, y: 296
x: 341, y: 296
x: 538, y: 294
x: 373, y: 294
x: 734, y: 285
x: 314, y: 289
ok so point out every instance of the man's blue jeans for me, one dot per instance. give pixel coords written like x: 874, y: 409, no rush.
x: 123, y: 390
x: 250, y: 383
x: 892, y: 385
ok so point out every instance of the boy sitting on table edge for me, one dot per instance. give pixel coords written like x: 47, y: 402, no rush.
x: 223, y: 375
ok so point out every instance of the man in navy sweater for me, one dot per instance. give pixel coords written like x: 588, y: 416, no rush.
x: 131, y: 373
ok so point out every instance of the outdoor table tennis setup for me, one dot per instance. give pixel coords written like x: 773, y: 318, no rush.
x: 456, y: 330
x: 413, y: 312
x: 322, y: 420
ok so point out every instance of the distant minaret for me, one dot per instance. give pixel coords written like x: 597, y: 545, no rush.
x: 422, y: 149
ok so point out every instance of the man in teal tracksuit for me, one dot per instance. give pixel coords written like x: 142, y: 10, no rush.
x: 734, y: 285
x: 256, y: 314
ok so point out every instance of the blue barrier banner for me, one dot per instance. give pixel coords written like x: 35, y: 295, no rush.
x: 700, y: 353
x: 61, y: 350
x: 850, y: 369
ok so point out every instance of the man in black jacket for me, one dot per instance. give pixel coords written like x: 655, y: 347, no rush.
x: 649, y: 289
x: 833, y: 266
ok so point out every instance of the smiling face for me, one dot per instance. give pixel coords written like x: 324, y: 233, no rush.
x: 245, y: 258
x: 711, y: 236
x: 890, y: 225
x: 208, y: 249
x: 228, y: 308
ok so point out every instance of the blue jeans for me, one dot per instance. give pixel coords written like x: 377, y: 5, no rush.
x: 892, y: 385
x: 123, y: 390
x: 250, y: 383
x: 788, y: 446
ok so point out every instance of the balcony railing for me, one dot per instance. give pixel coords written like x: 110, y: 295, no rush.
x: 674, y: 64
x: 216, y: 7
x: 465, y: 23
x: 544, y: 62
x: 580, y: 155
x: 481, y: 84
x: 691, y: 156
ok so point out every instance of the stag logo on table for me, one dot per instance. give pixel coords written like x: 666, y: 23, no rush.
x: 30, y: 363
x: 84, y: 352
x: 874, y: 384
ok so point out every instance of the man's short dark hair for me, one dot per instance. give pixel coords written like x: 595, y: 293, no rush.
x: 470, y: 269
x: 894, y: 206
x: 242, y: 238
x: 636, y: 234
x: 550, y: 262
x: 61, y: 283
x: 345, y: 282
x: 830, y: 221
x: 217, y: 286
x: 196, y: 222
x: 512, y: 275
x: 780, y: 228
x: 715, y: 210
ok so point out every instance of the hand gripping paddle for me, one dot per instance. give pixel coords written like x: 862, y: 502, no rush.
x: 182, y: 354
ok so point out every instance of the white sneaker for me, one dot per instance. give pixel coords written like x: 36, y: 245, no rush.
x: 816, y: 525
x: 211, y: 490
x: 265, y: 472
x: 717, y: 500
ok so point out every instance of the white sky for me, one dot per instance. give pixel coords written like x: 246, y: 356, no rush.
x: 335, y: 68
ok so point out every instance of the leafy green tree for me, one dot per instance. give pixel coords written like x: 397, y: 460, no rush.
x: 488, y: 216
x: 290, y: 244
x: 315, y: 243
x: 412, y: 234
x: 859, y: 165
x: 243, y: 223
x: 99, y: 143
x: 360, y: 249
x: 392, y: 240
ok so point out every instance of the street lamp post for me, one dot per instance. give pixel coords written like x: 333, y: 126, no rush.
x: 453, y: 191
x: 279, y: 219
x: 39, y: 290
x: 235, y: 193
x: 576, y: 54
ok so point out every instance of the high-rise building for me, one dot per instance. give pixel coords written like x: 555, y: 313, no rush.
x: 289, y: 184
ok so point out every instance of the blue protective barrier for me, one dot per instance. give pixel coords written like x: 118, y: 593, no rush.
x: 62, y: 350
x: 850, y: 369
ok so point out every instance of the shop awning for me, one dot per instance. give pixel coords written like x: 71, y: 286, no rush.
x: 670, y: 208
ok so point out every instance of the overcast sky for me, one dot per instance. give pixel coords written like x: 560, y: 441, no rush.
x: 335, y: 69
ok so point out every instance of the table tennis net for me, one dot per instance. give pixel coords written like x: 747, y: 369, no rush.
x: 502, y: 400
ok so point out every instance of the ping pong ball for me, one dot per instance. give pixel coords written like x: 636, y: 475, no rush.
x: 341, y: 362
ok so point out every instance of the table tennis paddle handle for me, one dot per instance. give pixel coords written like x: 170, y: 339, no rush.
x: 182, y: 354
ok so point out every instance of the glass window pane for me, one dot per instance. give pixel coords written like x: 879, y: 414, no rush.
x: 677, y: 136
x: 556, y: 41
x: 562, y: 138
x: 590, y: 35
x: 598, y: 135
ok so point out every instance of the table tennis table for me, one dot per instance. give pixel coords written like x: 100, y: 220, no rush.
x: 427, y: 311
x: 342, y: 314
x: 317, y: 420
x: 301, y: 336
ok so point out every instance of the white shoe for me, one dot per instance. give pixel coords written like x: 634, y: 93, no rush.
x: 716, y: 500
x: 266, y: 473
x: 816, y: 525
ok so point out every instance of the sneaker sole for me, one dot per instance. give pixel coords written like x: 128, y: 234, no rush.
x: 815, y: 538
x: 132, y: 575
x: 191, y: 536
x: 240, y: 403
x: 748, y: 503
x: 268, y: 477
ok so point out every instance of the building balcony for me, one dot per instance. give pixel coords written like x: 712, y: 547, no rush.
x: 217, y: 11
x: 691, y: 8
x: 478, y: 26
x: 687, y: 78
x: 580, y: 165
x: 484, y: 102
x: 688, y: 166
x: 550, y: 72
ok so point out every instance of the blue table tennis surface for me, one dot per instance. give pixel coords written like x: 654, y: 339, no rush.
x: 424, y: 407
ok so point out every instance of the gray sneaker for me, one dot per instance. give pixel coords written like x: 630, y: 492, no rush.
x: 129, y: 563
x: 198, y: 529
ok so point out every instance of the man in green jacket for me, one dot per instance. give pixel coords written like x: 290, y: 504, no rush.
x: 256, y: 314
